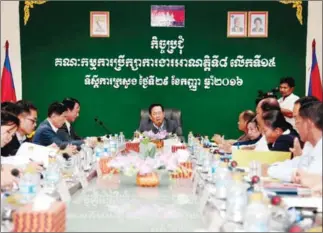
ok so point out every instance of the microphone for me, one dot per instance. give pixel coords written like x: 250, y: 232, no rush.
x: 96, y: 119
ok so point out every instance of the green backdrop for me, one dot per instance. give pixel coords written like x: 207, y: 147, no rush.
x: 61, y: 29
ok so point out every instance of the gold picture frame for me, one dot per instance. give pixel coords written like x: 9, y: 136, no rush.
x: 237, y: 24
x: 99, y: 24
x: 258, y: 24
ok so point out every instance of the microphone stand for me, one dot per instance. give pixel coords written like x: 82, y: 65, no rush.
x: 101, y: 124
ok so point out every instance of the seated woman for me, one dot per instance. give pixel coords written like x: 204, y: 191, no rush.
x: 243, y: 120
x: 254, y: 134
x: 279, y: 133
x: 9, y: 125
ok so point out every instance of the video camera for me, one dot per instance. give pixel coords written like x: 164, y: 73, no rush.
x: 270, y: 94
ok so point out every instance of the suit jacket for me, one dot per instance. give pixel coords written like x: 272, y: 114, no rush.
x: 147, y: 125
x: 46, y: 136
x: 12, y: 147
x: 284, y: 141
x: 65, y: 135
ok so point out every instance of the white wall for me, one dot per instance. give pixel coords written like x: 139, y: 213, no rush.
x: 314, y: 31
x: 10, y: 32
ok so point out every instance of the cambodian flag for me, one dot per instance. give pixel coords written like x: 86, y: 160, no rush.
x: 167, y: 16
x: 8, y: 92
x: 315, y: 85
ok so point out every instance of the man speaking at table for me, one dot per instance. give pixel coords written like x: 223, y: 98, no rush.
x: 157, y: 121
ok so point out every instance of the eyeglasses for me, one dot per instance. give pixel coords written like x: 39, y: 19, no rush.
x: 32, y: 120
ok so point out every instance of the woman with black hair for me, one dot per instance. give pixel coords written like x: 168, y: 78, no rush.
x: 253, y: 132
x: 279, y: 133
x: 9, y: 125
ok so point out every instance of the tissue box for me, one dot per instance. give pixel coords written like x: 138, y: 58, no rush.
x: 51, y: 220
x: 184, y: 171
x: 147, y: 180
x: 104, y: 166
x: 133, y: 146
x: 175, y: 148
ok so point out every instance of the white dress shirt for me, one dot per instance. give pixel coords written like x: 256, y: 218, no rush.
x: 68, y: 126
x: 288, y: 103
x: 262, y: 144
x: 20, y: 138
x: 53, y: 127
x: 310, y: 160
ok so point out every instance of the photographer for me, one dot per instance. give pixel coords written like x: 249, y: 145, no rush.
x: 288, y: 99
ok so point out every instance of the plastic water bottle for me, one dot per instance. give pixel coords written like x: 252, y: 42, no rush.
x: 222, y: 181
x: 256, y: 217
x: 28, y: 185
x: 106, y: 148
x: 113, y: 145
x: 214, y: 166
x: 206, y: 162
x: 206, y: 142
x: 190, y: 140
x: 52, y: 175
x: 122, y: 139
x: 237, y: 199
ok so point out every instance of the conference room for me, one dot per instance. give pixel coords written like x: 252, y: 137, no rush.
x: 161, y: 116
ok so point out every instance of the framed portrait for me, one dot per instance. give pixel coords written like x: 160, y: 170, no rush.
x: 100, y: 24
x: 258, y: 24
x: 237, y: 24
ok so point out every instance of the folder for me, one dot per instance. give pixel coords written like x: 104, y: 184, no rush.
x: 244, y: 157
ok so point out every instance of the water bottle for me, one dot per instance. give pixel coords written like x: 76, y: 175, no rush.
x: 99, y: 150
x: 113, y: 145
x: 206, y: 142
x: 52, y: 175
x: 222, y: 181
x: 87, y: 157
x: 256, y: 217
x: 106, y: 147
x: 190, y: 140
x: 206, y: 162
x: 28, y: 185
x: 122, y: 140
x: 202, y: 141
x: 214, y: 166
x: 237, y: 199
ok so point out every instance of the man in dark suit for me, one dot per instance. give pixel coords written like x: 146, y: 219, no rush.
x: 46, y: 133
x: 67, y: 132
x: 157, y: 121
x: 27, y: 114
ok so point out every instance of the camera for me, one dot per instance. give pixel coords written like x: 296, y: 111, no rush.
x: 270, y: 94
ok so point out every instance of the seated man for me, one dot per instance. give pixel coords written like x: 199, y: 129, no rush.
x: 66, y: 132
x: 27, y: 114
x: 46, y: 133
x: 308, y: 115
x: 157, y: 121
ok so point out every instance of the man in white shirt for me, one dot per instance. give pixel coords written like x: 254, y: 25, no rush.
x: 288, y: 99
x: 309, y: 123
